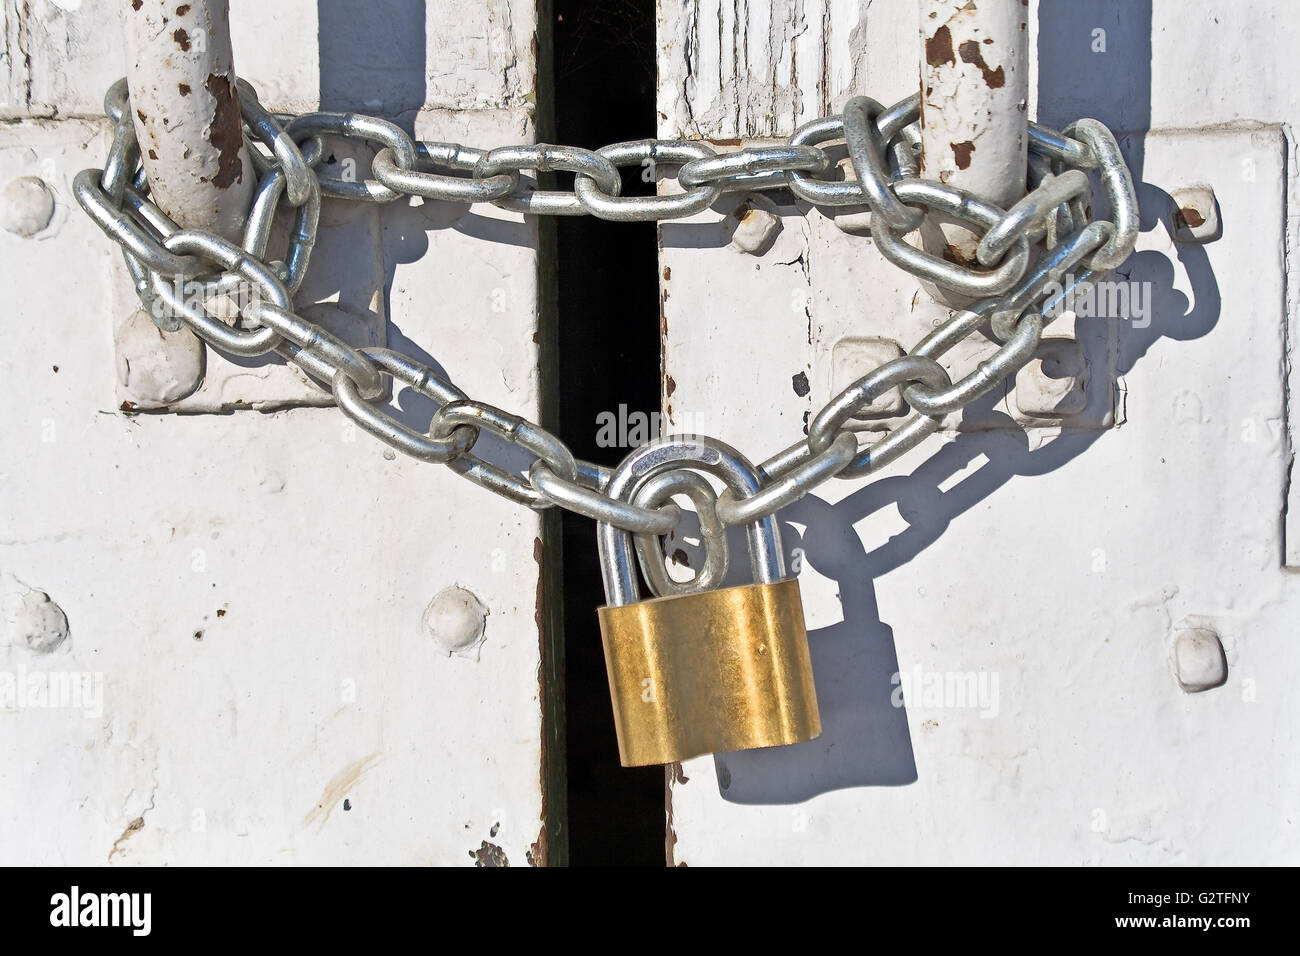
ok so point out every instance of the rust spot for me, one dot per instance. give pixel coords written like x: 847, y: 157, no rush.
x: 143, y: 118
x: 182, y: 39
x: 680, y: 557
x: 221, y: 612
x: 137, y: 4
x: 1188, y: 218
x: 953, y: 254
x: 226, y: 131
x: 733, y: 141
x: 536, y: 854
x: 184, y: 88
x: 489, y: 854
x: 183, y: 9
x: 670, y: 835
x: 800, y: 382
x: 668, y: 273
x: 962, y: 153
x: 970, y: 53
x: 938, y: 48
x: 153, y: 154
x: 741, y: 211
x: 670, y: 386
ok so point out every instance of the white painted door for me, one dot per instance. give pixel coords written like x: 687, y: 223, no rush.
x: 1039, y: 594
x: 216, y: 647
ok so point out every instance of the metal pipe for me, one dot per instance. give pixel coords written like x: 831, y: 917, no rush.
x: 181, y: 77
x: 974, y: 101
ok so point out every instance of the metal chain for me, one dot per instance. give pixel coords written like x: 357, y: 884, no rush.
x: 1024, y: 254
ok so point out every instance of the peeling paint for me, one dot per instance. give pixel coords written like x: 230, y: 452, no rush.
x: 970, y: 53
x: 226, y: 133
x: 536, y: 854
x: 938, y: 48
x: 489, y: 854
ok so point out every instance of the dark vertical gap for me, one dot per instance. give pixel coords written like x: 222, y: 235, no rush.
x: 552, y: 847
x: 608, y: 356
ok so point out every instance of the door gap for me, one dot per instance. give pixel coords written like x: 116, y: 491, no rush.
x: 607, y: 364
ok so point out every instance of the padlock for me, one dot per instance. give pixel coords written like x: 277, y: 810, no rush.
x: 711, y: 671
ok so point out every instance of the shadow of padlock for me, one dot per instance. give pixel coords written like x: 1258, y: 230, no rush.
x: 711, y: 671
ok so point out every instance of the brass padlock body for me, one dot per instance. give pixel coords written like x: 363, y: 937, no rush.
x: 709, y: 672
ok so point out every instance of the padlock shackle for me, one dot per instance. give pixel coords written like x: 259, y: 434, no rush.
x: 659, y: 489
x: 698, y: 453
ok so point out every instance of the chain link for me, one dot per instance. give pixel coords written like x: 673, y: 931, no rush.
x: 1024, y: 253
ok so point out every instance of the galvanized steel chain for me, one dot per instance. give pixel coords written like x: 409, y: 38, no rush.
x: 1023, y: 257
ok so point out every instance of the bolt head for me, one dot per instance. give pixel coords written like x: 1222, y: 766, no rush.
x: 853, y: 358
x: 756, y: 230
x: 156, y: 368
x: 1199, y: 661
x: 1194, y: 214
x: 1053, y: 383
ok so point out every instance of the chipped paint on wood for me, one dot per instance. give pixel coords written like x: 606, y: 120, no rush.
x: 899, y: 786
x: 731, y: 69
x: 223, y: 745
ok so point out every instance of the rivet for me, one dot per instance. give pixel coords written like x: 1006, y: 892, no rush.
x: 456, y: 620
x: 28, y: 206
